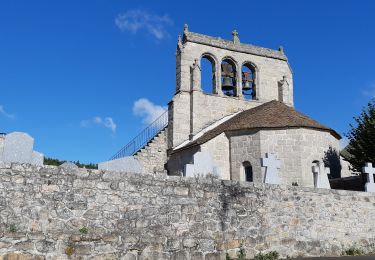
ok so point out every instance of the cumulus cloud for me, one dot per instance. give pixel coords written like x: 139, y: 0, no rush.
x: 4, y: 113
x: 147, y: 110
x: 97, y: 120
x: 139, y: 20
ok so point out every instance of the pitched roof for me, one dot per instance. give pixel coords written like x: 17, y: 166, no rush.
x: 271, y: 115
x: 229, y: 45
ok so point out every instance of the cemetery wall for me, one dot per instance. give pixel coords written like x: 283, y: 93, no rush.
x: 61, y: 213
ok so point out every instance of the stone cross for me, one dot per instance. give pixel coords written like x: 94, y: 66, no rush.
x: 236, y: 40
x: 369, y: 170
x: 321, y: 172
x: 272, y: 165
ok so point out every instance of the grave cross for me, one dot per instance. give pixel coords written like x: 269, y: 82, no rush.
x: 272, y: 165
x: 321, y: 175
x: 369, y: 170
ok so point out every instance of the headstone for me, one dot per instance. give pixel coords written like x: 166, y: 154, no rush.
x: 37, y: 158
x: 18, y: 147
x: 2, y: 139
x: 272, y: 165
x: 69, y: 165
x: 369, y: 171
x: 202, y: 165
x: 125, y: 164
x: 321, y: 172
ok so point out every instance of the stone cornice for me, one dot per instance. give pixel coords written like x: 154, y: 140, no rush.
x: 230, y: 45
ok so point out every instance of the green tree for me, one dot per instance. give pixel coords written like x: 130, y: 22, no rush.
x: 361, y: 148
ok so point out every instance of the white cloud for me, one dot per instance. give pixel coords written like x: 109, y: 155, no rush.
x: 106, y: 122
x: 148, y: 110
x: 343, y: 143
x: 4, y: 113
x: 137, y: 20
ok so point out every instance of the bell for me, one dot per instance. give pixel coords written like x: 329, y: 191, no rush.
x: 226, y: 70
x: 227, y: 84
x: 246, y: 86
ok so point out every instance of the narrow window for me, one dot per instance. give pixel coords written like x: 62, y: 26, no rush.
x: 248, y: 81
x: 248, y: 171
x: 208, y: 80
x: 315, y: 170
x: 228, y: 77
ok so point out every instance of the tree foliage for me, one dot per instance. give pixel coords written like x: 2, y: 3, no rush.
x: 361, y: 137
x: 56, y: 162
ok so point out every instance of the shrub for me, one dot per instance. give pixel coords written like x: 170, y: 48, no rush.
x: 83, y: 230
x: 353, y: 251
x: 272, y: 255
x: 69, y: 250
x: 12, y: 228
x: 241, y: 254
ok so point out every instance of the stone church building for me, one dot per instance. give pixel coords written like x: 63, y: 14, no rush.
x: 250, y: 112
x: 246, y: 116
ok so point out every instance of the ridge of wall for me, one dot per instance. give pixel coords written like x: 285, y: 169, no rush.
x: 145, y: 216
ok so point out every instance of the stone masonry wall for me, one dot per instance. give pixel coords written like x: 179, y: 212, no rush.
x: 154, y: 155
x: 144, y: 216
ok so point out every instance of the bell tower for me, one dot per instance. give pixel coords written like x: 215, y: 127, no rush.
x: 243, y: 76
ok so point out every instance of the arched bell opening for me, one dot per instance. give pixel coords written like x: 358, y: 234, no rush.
x: 228, y: 77
x: 248, y: 172
x: 248, y: 81
x: 208, y: 75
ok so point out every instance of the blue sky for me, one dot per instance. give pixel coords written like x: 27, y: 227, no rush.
x: 84, y: 77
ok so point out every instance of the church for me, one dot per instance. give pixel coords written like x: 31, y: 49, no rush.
x: 249, y: 113
x: 245, y: 128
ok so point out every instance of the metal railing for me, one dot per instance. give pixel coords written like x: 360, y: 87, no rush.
x: 143, y: 138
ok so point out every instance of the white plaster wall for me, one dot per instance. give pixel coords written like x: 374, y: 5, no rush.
x: 218, y: 148
x: 345, y: 169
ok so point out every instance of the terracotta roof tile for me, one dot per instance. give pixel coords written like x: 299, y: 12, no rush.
x: 271, y: 115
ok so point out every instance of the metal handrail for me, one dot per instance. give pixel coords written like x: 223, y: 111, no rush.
x: 143, y: 138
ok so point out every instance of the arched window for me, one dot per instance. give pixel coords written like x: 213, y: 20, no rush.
x: 248, y: 172
x: 228, y: 77
x: 315, y: 173
x: 208, y: 79
x: 248, y: 81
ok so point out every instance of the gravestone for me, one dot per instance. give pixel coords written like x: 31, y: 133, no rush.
x: 202, y: 165
x: 37, y: 158
x: 69, y: 165
x: 272, y: 165
x: 125, y: 164
x: 369, y: 171
x: 18, y: 147
x: 321, y: 173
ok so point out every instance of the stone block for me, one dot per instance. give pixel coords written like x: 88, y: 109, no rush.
x: 125, y: 164
x: 202, y: 166
x: 69, y: 165
x: 18, y: 147
x: 37, y: 158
